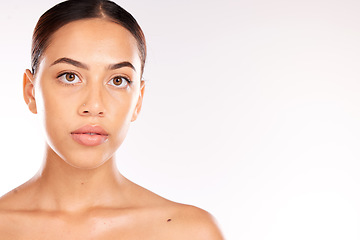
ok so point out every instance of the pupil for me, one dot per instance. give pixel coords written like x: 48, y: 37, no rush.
x: 117, y: 81
x: 70, y: 77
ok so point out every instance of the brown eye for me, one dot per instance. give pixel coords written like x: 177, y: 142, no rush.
x: 117, y: 81
x: 70, y: 77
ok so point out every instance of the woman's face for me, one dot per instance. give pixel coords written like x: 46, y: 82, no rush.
x: 87, y: 90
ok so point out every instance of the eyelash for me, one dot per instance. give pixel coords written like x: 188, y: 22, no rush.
x: 67, y: 83
x: 129, y: 82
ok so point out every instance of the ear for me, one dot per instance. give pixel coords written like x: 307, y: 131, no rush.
x: 139, y: 102
x: 29, y: 90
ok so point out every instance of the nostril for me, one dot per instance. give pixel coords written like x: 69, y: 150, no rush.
x: 91, y: 111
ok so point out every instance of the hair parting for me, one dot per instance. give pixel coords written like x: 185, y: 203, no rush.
x: 73, y: 10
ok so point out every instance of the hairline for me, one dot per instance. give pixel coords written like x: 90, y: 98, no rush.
x: 101, y: 16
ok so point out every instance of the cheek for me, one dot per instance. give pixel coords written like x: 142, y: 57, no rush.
x: 122, y: 104
x: 120, y: 112
x: 54, y: 110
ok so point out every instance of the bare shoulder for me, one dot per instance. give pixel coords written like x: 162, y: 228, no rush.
x: 16, y: 199
x: 8, y: 201
x: 194, y: 223
x: 9, y: 223
x: 179, y: 221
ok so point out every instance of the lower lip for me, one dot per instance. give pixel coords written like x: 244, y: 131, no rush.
x: 89, y: 140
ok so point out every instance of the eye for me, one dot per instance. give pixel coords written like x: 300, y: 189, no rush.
x: 119, y: 81
x: 69, y: 78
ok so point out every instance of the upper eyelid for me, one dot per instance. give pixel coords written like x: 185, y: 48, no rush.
x: 61, y: 74
x: 121, y: 72
x: 69, y: 72
x: 127, y: 78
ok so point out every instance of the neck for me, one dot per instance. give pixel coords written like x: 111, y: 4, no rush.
x: 63, y: 187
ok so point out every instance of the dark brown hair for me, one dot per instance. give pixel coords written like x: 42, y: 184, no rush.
x: 72, y: 10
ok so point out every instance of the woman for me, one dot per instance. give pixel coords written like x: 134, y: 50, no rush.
x: 86, y: 84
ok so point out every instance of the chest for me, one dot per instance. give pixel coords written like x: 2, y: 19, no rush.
x: 93, y: 228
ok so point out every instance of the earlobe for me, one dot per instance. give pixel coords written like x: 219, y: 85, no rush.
x: 139, y: 102
x: 29, y: 91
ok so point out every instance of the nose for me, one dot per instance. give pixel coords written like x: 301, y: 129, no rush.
x: 93, y: 105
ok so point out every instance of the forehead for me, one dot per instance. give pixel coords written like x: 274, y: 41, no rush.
x: 94, y: 41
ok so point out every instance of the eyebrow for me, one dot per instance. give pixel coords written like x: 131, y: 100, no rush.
x: 84, y: 66
x: 70, y: 61
x: 121, y: 65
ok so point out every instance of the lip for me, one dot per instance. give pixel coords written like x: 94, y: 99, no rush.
x: 90, y: 135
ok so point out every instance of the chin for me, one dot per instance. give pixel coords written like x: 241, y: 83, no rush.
x: 85, y: 164
x: 87, y: 160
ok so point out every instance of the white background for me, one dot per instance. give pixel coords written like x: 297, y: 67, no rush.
x: 251, y: 111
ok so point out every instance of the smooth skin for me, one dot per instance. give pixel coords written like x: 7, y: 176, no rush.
x: 79, y: 193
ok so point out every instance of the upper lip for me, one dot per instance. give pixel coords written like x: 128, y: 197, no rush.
x: 95, y: 129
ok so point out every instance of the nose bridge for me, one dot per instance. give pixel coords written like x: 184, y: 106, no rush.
x: 94, y: 100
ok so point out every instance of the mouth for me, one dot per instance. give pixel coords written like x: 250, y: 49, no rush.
x: 90, y: 135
